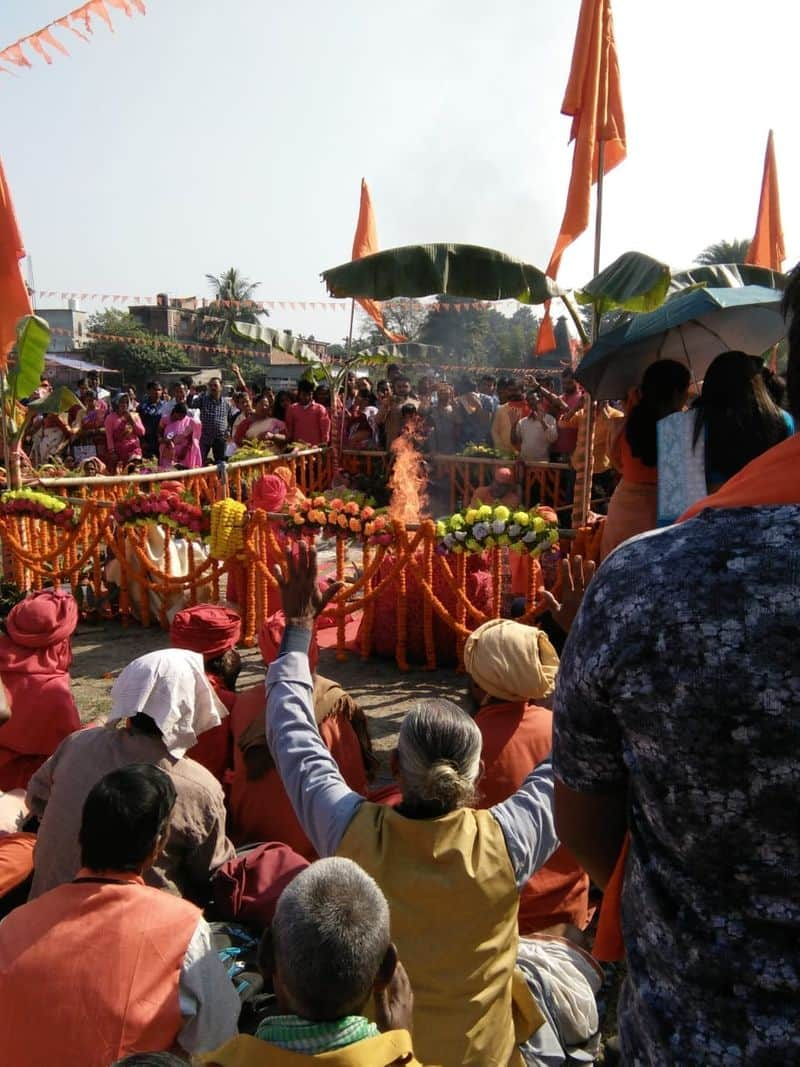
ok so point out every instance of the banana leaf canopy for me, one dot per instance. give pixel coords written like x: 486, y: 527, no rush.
x: 692, y: 327
x: 456, y: 270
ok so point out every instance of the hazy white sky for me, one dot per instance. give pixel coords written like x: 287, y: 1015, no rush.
x: 208, y: 135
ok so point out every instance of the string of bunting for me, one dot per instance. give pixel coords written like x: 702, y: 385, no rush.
x: 78, y: 22
x: 260, y: 305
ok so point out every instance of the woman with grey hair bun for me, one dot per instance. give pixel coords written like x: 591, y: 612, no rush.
x: 452, y: 874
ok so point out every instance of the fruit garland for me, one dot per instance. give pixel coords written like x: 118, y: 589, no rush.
x: 166, y: 508
x: 227, y: 528
x: 476, y: 529
x: 37, y: 505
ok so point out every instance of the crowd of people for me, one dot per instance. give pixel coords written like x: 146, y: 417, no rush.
x: 639, y: 741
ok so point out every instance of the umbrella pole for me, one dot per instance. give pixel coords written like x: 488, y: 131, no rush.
x: 582, y: 496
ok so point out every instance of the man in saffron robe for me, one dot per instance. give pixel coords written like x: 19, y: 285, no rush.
x: 331, y: 920
x: 259, y: 807
x: 511, y: 668
x: 214, y: 632
x: 35, y: 657
x: 127, y: 968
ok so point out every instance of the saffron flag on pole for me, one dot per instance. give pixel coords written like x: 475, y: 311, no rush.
x: 14, y: 299
x: 365, y: 243
x: 766, y: 248
x: 594, y: 100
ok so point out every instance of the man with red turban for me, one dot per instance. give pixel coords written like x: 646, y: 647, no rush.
x: 35, y: 657
x: 259, y: 807
x: 214, y: 632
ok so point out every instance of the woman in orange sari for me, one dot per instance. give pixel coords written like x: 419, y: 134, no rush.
x: 634, y: 504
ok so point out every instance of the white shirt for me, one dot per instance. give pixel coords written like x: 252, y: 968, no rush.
x: 536, y: 435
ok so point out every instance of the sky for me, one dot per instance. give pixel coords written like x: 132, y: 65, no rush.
x: 209, y: 135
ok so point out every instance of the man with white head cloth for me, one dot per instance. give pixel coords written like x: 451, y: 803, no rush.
x: 160, y: 703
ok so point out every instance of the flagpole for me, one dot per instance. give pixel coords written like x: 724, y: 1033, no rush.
x: 583, y: 492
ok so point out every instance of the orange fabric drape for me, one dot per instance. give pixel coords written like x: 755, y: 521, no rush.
x: 365, y: 243
x: 14, y: 299
x: 594, y: 101
x: 766, y: 248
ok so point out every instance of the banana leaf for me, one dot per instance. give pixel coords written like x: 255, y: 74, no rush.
x: 33, y: 337
x: 410, y: 350
x: 284, y: 342
x: 726, y: 275
x: 57, y: 402
x: 633, y: 282
x: 426, y: 270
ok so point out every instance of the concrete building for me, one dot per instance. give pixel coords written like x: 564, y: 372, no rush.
x: 171, y: 316
x: 67, y: 325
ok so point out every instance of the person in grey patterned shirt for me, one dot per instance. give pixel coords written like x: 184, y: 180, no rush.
x: 676, y: 716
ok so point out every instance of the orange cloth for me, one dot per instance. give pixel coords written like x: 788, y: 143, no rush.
x: 214, y: 748
x: 594, y: 101
x: 35, y: 659
x: 516, y: 737
x: 268, y: 493
x: 14, y: 299
x: 260, y: 809
x: 770, y: 479
x: 766, y: 248
x: 365, y: 242
x: 483, y: 495
x: 16, y: 860
x: 633, y: 470
x: 609, y: 944
x: 112, y: 953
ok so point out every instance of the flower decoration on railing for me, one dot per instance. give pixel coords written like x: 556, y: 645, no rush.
x: 38, y: 505
x: 487, y: 526
x: 474, y: 451
x: 347, y: 515
x: 165, y: 508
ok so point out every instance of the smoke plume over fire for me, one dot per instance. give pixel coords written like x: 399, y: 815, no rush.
x: 408, y: 481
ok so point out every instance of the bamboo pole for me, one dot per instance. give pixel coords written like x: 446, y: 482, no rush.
x: 582, y: 496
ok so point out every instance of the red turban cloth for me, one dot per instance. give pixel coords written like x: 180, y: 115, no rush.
x: 271, y: 634
x: 35, y: 659
x: 206, y: 628
x: 268, y: 493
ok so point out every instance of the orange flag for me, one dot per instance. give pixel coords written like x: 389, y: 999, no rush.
x: 766, y: 249
x: 365, y: 243
x: 14, y: 299
x: 594, y: 101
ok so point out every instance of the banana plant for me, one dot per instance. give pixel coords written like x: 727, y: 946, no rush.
x: 33, y: 337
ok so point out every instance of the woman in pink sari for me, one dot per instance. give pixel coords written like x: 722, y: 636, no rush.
x: 124, y: 431
x: 179, y: 435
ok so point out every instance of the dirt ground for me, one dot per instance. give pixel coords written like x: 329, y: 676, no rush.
x: 383, y: 691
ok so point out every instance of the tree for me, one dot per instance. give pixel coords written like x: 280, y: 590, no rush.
x: 724, y: 252
x: 232, y: 295
x: 126, y: 346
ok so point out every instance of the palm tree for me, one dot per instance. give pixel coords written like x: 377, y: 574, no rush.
x: 233, y: 301
x: 231, y: 285
x: 724, y: 252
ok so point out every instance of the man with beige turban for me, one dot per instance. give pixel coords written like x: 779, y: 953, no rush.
x: 511, y: 668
